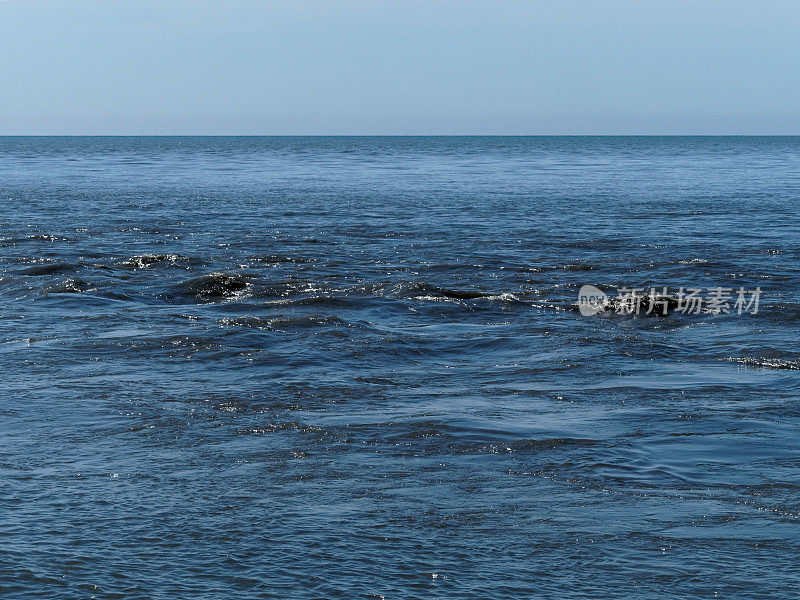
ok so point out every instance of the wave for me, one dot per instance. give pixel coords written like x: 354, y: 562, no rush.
x: 767, y: 363
x: 427, y: 291
x: 282, y: 258
x: 428, y: 437
x: 47, y: 269
x: 224, y: 286
x: 36, y: 237
x: 282, y: 323
x: 145, y: 261
x: 322, y: 301
x: 214, y: 286
x: 70, y: 286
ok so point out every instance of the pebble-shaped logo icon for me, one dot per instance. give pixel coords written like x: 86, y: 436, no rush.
x: 591, y: 300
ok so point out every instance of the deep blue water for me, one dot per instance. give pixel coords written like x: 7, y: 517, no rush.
x: 354, y: 368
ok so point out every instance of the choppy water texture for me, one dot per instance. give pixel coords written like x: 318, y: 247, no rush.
x: 353, y: 368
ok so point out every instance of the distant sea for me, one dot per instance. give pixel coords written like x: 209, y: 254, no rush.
x: 334, y: 367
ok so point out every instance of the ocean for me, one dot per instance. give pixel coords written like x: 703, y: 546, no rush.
x: 358, y: 367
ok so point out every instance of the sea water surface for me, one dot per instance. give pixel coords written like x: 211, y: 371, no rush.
x: 354, y: 368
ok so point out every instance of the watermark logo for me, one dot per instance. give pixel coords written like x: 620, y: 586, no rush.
x: 662, y: 301
x: 591, y: 300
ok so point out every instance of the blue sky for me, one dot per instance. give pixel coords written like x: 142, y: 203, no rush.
x: 399, y: 67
